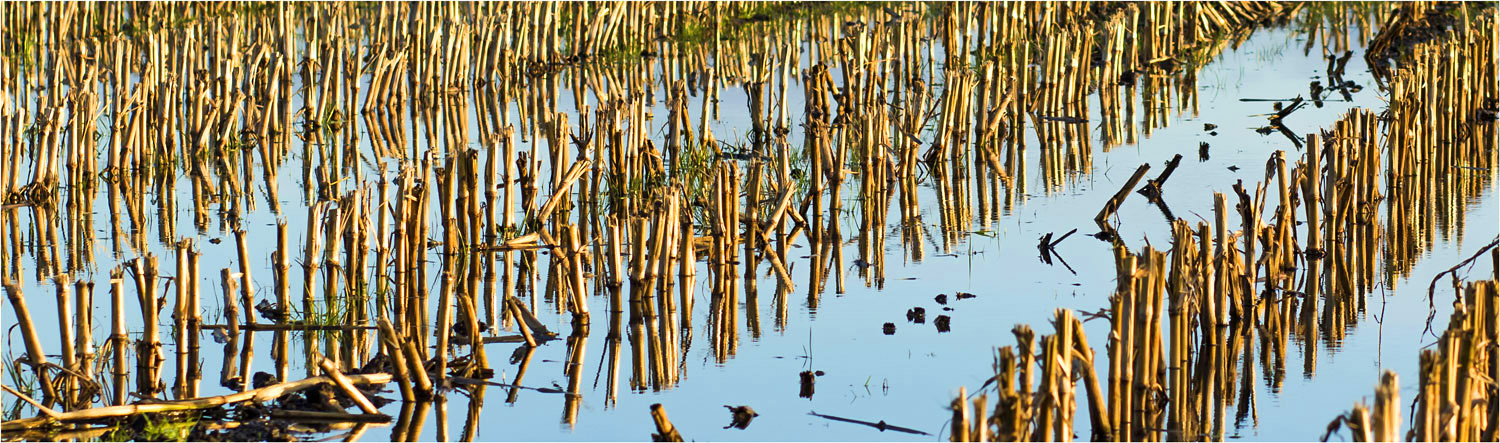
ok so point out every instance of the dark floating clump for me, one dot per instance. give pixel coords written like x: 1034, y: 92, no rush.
x: 740, y: 416
x: 808, y: 378
x: 942, y: 323
x: 263, y: 379
x: 916, y: 315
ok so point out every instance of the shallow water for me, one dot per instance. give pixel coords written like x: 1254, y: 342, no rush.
x: 908, y: 378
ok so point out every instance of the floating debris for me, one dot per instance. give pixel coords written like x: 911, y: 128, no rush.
x: 916, y: 315
x: 740, y: 416
x: 806, y: 384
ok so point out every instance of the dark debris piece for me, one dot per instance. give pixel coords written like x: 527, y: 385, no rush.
x: 269, y: 311
x: 942, y: 323
x: 889, y: 328
x: 808, y: 378
x: 234, y: 383
x: 741, y: 416
x: 916, y: 315
x: 263, y: 379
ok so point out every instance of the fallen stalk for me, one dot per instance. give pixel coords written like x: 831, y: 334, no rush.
x: 259, y: 395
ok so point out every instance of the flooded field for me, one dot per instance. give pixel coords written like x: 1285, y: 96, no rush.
x: 749, y: 221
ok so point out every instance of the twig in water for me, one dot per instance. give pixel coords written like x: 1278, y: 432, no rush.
x: 1432, y: 287
x: 881, y: 425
